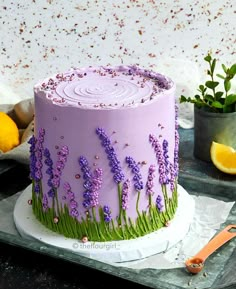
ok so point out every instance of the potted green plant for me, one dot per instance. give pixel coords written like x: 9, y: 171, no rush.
x: 214, y: 110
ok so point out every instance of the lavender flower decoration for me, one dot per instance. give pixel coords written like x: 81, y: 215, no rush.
x: 66, y: 187
x: 150, y: 184
x: 138, y: 183
x: 125, y: 195
x: 176, y: 153
x: 176, y: 149
x: 36, y: 148
x: 74, y: 213
x: 73, y: 205
x: 36, y: 188
x: 166, y: 157
x: 39, y: 155
x: 62, y: 158
x: 97, y: 184
x: 48, y: 162
x: 45, y: 202
x: 32, y: 142
x: 87, y: 175
x: 176, y: 116
x: 160, y: 159
x: 92, y: 184
x: 69, y: 193
x: 114, y: 163
x: 172, y: 177
x: 107, y: 214
x: 159, y: 203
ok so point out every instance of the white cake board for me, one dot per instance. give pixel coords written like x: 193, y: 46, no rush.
x: 113, y: 251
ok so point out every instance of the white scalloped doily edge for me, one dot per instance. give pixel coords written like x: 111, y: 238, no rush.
x: 112, y: 251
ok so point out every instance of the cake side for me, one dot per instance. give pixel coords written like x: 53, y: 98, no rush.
x: 105, y: 172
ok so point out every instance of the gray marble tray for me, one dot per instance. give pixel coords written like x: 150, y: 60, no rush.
x: 198, y: 178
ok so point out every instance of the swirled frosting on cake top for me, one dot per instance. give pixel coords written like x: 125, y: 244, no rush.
x: 104, y: 87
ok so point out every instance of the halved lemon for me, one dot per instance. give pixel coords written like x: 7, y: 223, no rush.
x: 223, y: 157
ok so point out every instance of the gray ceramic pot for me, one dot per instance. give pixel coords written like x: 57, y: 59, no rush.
x: 210, y: 126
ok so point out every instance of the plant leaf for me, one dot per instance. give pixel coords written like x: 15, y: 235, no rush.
x: 224, y: 68
x: 218, y: 95
x: 232, y: 69
x: 213, y: 65
x: 230, y: 99
x: 209, y: 97
x: 220, y: 76
x: 227, y: 85
x: 228, y: 108
x: 211, y: 84
x: 217, y: 104
x: 201, y: 87
x: 183, y: 99
x: 208, y: 58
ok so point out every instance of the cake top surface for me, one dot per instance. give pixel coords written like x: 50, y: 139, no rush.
x: 104, y: 87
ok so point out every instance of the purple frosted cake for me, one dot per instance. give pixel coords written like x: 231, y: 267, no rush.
x: 104, y: 155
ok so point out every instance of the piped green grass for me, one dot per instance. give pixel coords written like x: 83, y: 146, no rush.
x: 130, y: 229
x: 167, y: 205
x: 94, y: 227
x: 119, y: 188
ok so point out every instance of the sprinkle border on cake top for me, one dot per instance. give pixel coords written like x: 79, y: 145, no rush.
x: 105, y: 87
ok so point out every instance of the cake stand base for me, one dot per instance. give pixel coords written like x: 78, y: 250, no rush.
x: 113, y: 251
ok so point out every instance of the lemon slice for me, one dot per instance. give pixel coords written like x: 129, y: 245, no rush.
x: 223, y: 157
x: 9, y: 133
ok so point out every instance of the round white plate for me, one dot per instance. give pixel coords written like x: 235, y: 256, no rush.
x: 113, y: 251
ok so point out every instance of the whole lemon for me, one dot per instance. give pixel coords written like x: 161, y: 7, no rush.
x: 9, y: 133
